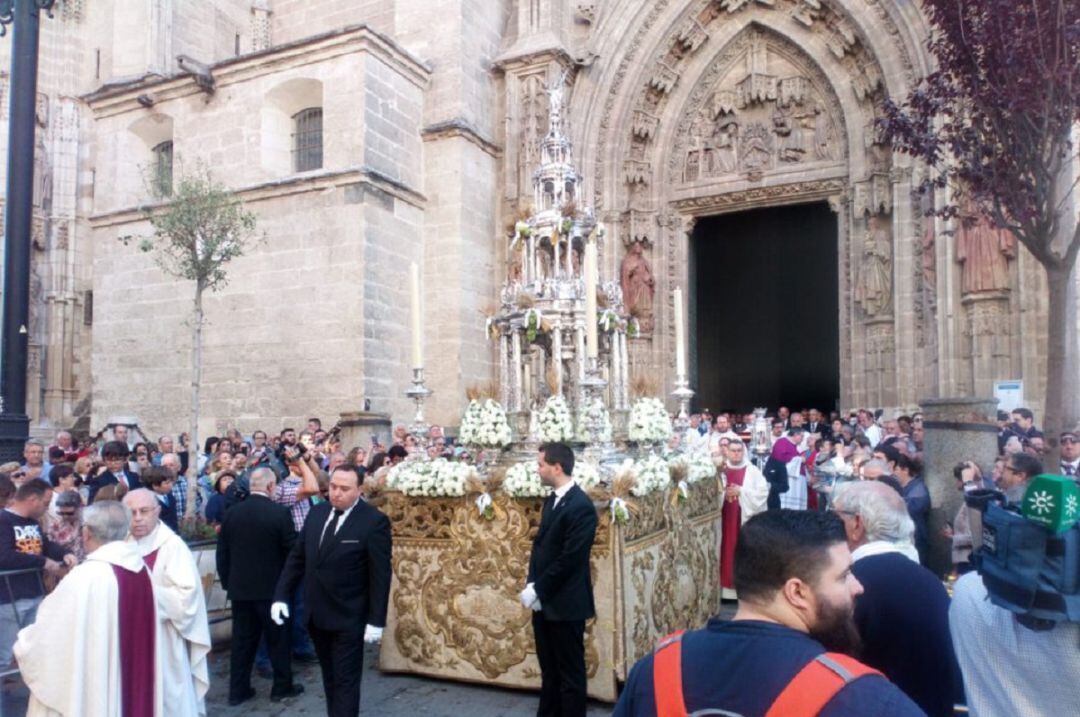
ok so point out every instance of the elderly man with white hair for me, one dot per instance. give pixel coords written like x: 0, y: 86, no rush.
x: 903, y: 613
x: 182, y: 607
x: 180, y: 486
x: 93, y: 650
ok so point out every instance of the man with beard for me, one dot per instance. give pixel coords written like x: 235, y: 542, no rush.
x: 903, y: 613
x: 796, y: 600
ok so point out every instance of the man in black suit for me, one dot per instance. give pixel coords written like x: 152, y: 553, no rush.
x: 559, y: 588
x: 818, y: 425
x: 343, y: 557
x: 256, y: 538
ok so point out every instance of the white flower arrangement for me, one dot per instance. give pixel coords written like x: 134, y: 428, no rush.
x: 608, y: 320
x: 593, y: 410
x: 523, y: 481
x: 555, y: 423
x: 699, y: 466
x: 484, y: 424
x: 649, y: 421
x: 650, y: 474
x: 430, y: 479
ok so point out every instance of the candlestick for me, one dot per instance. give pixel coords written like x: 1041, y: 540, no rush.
x: 680, y: 336
x: 415, y: 316
x: 419, y: 427
x: 591, y: 340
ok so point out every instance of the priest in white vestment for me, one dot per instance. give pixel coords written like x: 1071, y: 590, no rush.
x: 93, y: 649
x: 181, y: 605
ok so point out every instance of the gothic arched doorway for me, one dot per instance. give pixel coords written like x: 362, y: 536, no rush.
x: 765, y: 308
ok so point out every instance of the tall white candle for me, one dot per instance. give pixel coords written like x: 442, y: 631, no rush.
x: 591, y: 341
x: 415, y: 316
x: 680, y: 336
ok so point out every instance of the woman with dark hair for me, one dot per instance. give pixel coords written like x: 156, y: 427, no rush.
x: 209, y: 449
x: 64, y: 526
x: 215, y: 507
x: 378, y: 460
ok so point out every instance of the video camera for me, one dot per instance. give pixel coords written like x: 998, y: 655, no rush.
x: 1029, y: 554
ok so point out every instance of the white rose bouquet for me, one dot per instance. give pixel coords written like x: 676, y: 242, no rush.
x: 650, y: 474
x: 554, y: 421
x: 430, y: 479
x: 484, y: 424
x: 698, y: 466
x: 586, y: 475
x: 523, y: 481
x: 593, y: 410
x: 649, y: 421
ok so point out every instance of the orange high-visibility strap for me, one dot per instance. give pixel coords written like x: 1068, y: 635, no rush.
x: 817, y: 683
x: 667, y: 677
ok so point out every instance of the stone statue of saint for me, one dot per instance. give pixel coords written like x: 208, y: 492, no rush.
x: 984, y: 251
x: 873, y: 291
x: 638, y: 285
x: 929, y: 259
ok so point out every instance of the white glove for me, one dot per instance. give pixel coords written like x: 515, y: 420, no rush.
x: 529, y: 598
x: 372, y: 634
x: 278, y: 612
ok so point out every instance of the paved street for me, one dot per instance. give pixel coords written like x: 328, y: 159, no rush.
x: 383, y: 695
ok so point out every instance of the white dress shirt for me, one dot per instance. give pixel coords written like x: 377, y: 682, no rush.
x: 560, y: 492
x: 340, y: 522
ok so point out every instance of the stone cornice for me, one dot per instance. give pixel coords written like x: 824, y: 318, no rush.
x: 112, y: 100
x: 300, y: 184
x: 460, y: 127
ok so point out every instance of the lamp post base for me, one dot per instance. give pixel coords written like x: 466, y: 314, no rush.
x: 14, y: 430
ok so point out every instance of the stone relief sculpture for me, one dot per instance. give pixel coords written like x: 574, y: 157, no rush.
x: 761, y: 112
x: 984, y: 252
x: 928, y: 242
x: 638, y: 285
x: 873, y: 290
x: 532, y: 127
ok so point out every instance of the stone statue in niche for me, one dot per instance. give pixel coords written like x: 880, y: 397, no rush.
x: 929, y: 241
x: 824, y: 135
x: 42, y: 189
x: 984, y: 250
x: 873, y: 290
x: 722, y: 155
x: 638, y: 285
x: 695, y: 149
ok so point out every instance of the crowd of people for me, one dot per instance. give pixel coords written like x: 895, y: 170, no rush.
x: 825, y: 545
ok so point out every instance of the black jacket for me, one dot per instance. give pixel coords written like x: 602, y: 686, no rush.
x: 559, y: 564
x: 256, y: 537
x: 347, y: 583
x: 107, y: 479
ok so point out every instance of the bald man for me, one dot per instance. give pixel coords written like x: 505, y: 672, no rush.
x: 186, y: 637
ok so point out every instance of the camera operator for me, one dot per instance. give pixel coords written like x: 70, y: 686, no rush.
x: 1019, y: 469
x: 1016, y: 661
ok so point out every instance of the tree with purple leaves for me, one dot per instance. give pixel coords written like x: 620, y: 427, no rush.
x: 994, y: 124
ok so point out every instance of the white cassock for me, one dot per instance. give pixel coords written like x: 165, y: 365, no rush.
x: 70, y: 656
x: 795, y: 498
x: 754, y: 494
x: 182, y: 608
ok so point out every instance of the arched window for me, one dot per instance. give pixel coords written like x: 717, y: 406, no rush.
x: 163, y: 168
x: 307, y: 139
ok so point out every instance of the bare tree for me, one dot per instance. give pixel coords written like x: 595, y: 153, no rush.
x: 198, y: 228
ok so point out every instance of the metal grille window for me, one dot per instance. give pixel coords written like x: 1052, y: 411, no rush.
x: 163, y: 168
x: 307, y: 139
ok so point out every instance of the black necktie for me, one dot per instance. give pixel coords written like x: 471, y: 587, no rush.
x: 1069, y: 469
x: 331, y: 529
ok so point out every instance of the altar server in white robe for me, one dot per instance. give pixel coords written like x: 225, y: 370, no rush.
x: 181, y: 605
x: 93, y: 649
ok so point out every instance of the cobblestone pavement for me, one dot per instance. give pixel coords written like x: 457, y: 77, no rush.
x: 383, y: 695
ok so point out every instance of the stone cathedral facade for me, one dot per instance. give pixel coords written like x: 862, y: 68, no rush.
x: 366, y: 134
